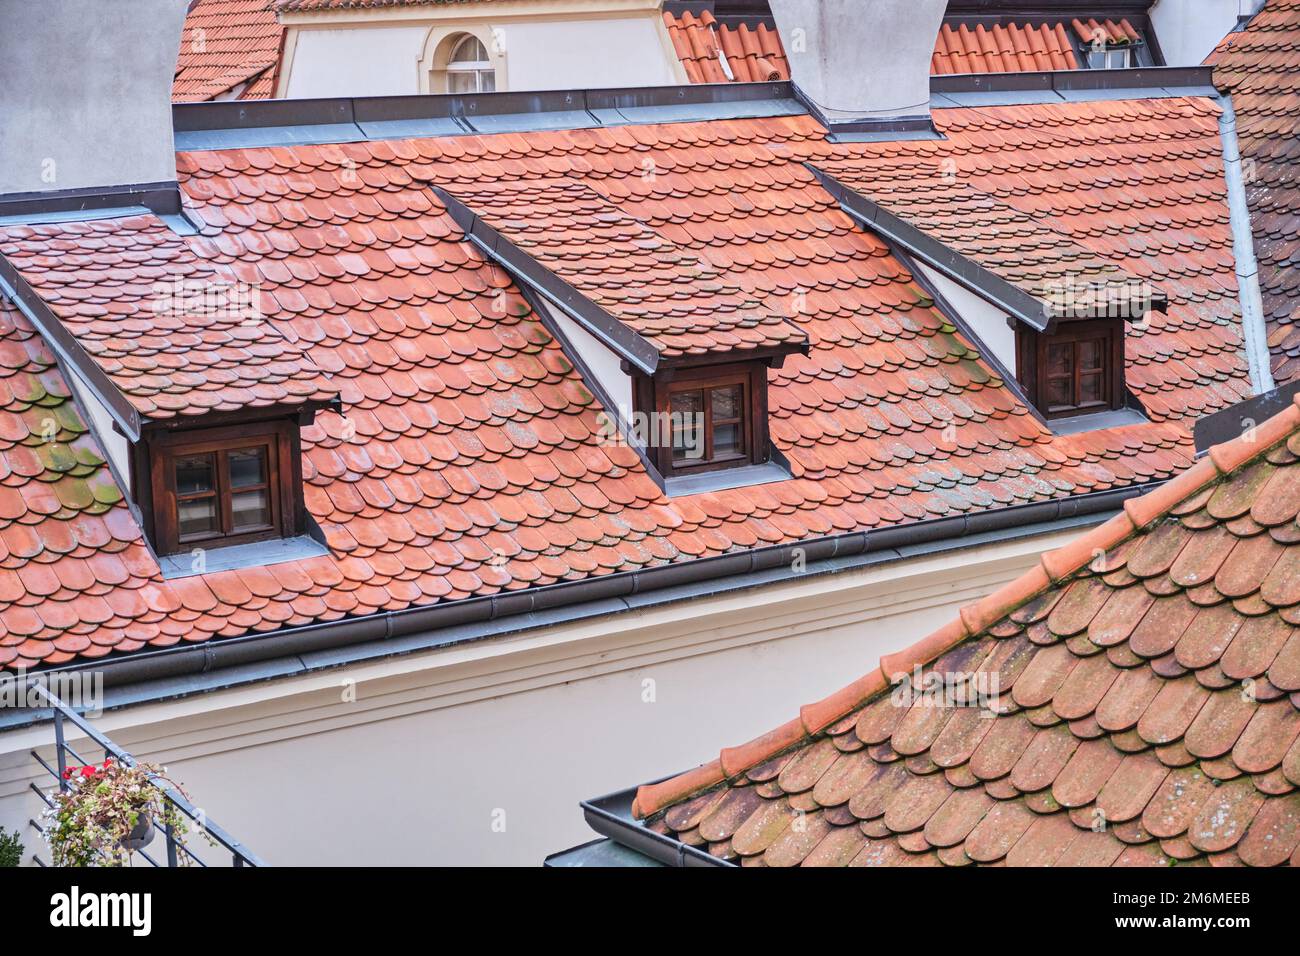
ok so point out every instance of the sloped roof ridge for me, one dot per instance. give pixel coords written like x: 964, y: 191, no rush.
x: 1053, y: 568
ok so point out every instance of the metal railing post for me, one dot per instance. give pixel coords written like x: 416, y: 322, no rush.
x: 240, y: 856
x: 59, y: 751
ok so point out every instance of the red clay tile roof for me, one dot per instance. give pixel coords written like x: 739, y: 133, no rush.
x: 1013, y: 48
x: 468, y: 457
x: 1139, y: 704
x: 227, y: 43
x: 73, y: 569
x: 669, y: 295
x: 1107, y: 31
x: 1260, y: 66
x: 177, y: 335
x: 1017, y: 246
x: 753, y: 54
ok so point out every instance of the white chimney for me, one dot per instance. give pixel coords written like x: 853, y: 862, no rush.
x: 85, y: 93
x: 861, y: 61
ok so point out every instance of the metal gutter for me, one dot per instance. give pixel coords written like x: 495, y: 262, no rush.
x: 68, y: 350
x: 611, y: 816
x: 1254, y: 329
x: 184, y: 669
x: 611, y: 333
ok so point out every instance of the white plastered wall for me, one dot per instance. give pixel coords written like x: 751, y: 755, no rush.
x: 479, y: 754
x: 561, y: 44
x: 987, y: 321
x: 1188, y: 30
x: 600, y: 361
x: 112, y: 442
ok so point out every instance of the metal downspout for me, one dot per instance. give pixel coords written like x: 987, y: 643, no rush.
x: 1254, y: 332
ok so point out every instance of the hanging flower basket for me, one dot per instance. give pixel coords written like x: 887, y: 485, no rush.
x: 141, y: 835
x: 108, y: 811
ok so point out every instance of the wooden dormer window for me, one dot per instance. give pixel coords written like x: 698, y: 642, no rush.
x: 706, y: 418
x: 215, y: 487
x: 1076, y: 370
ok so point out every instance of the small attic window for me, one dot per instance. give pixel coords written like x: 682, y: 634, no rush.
x: 707, y: 419
x: 1076, y: 370
x: 1112, y: 56
x: 216, y: 487
x: 470, y: 70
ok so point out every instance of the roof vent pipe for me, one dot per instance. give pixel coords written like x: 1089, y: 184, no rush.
x: 862, y: 64
x: 86, y: 87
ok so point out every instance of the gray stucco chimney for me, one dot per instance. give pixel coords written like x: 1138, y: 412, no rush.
x: 85, y: 93
x: 861, y: 61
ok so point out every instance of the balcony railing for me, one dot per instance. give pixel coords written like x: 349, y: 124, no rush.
x: 177, y: 853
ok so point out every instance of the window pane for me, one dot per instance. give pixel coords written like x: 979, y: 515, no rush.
x: 726, y: 402
x: 726, y: 441
x: 1058, y: 393
x: 687, y: 422
x: 250, y: 509
x: 461, y: 83
x: 1089, y: 389
x: 247, y: 467
x: 1090, y: 355
x: 194, y: 474
x: 688, y: 403
x: 471, y: 50
x: 1060, y: 359
x: 487, y: 82
x: 197, y: 516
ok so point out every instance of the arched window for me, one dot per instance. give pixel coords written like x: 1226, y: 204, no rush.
x: 469, y: 70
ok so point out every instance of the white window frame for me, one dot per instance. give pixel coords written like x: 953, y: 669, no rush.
x: 479, y: 69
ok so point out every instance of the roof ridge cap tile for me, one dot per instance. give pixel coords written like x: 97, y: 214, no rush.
x: 972, y: 619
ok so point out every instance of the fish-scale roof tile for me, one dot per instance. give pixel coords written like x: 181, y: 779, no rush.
x: 176, y: 334
x: 1078, y: 757
x: 467, y: 455
x: 228, y: 46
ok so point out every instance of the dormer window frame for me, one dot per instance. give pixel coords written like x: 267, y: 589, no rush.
x: 154, y: 479
x: 654, y: 398
x: 1036, y: 352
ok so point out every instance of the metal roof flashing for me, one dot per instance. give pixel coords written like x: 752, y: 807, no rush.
x: 251, y: 123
